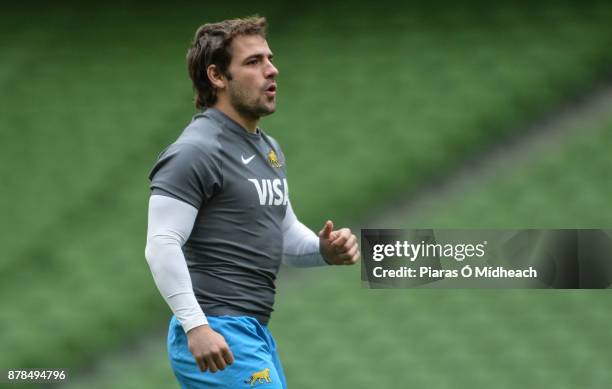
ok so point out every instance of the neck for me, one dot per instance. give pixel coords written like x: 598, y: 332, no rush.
x: 248, y: 123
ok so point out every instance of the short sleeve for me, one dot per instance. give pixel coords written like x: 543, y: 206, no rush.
x: 188, y: 173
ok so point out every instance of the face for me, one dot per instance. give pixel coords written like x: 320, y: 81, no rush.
x: 252, y: 88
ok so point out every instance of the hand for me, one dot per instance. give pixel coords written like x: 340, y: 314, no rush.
x: 338, y: 247
x: 209, y: 349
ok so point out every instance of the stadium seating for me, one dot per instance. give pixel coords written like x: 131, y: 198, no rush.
x: 373, y: 101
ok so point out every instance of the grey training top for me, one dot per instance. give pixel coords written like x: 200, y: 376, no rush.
x: 237, y: 181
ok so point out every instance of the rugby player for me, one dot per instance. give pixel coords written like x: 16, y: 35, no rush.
x: 220, y: 221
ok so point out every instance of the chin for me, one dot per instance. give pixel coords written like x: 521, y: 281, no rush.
x: 267, y: 110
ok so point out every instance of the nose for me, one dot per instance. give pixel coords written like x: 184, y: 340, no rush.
x: 271, y: 70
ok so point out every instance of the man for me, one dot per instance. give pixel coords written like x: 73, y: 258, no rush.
x: 220, y: 219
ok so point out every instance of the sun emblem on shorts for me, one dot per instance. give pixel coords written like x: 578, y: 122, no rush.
x: 273, y: 159
x: 259, y: 377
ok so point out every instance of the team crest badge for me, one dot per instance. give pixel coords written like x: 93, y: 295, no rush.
x: 273, y: 159
x: 259, y: 377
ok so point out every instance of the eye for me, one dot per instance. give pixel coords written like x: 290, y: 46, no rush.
x: 252, y: 61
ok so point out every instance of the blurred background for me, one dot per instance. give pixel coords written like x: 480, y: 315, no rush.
x: 391, y: 114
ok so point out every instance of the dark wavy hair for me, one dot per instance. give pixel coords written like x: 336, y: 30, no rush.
x: 212, y: 46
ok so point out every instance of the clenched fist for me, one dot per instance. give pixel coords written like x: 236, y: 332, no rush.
x: 338, y: 247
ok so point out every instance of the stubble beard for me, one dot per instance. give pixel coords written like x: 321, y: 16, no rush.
x: 247, y: 106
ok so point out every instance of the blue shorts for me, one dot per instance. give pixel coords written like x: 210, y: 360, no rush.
x: 256, y: 363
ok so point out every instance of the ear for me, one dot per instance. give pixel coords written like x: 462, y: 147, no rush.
x: 216, y: 78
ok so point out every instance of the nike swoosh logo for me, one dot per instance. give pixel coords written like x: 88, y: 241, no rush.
x: 247, y: 160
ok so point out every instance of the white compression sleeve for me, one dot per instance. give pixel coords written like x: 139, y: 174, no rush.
x: 170, y: 224
x: 300, y: 244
